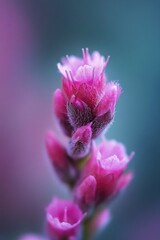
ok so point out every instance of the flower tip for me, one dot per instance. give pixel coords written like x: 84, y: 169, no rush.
x: 85, y: 54
x: 116, y: 90
x: 67, y: 57
x: 124, y: 181
x: 127, y: 179
x: 56, y: 95
x: 131, y: 155
x: 59, y: 66
x: 101, y: 220
x: 106, y: 62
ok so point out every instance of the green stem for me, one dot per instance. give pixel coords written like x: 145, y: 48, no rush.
x: 87, y: 235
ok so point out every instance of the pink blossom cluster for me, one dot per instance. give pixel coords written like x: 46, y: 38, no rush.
x: 95, y: 172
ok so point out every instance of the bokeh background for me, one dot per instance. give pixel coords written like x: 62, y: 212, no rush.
x: 34, y: 35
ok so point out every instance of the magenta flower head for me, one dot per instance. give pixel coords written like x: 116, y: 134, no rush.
x: 63, y: 219
x: 85, y: 97
x: 95, y: 173
x: 103, y: 174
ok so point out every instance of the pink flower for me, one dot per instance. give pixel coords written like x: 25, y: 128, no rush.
x: 103, y: 174
x: 63, y: 219
x: 85, y: 96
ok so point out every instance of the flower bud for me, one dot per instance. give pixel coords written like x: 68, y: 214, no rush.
x: 79, y: 114
x: 109, y: 100
x: 60, y: 159
x: 61, y: 112
x: 85, y: 193
x: 100, y: 123
x: 80, y: 143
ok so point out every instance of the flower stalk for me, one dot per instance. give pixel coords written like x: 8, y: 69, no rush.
x: 95, y: 172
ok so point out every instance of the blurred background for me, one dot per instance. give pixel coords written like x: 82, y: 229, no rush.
x: 34, y: 35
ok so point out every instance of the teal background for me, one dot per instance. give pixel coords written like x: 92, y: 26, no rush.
x: 34, y: 35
